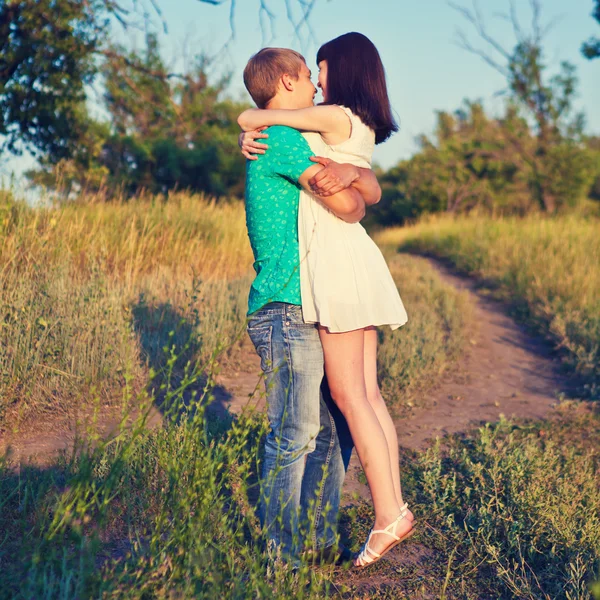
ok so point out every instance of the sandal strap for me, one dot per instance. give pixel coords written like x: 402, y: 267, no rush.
x: 365, y: 558
x: 389, y: 530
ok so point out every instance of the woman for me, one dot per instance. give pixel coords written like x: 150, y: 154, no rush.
x: 345, y: 283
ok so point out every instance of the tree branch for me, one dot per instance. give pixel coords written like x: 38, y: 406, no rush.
x: 114, y: 57
x: 535, y: 21
x: 476, y: 19
x: 268, y: 17
x: 466, y: 45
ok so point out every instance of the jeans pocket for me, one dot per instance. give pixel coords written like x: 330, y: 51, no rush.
x: 295, y: 317
x: 261, y: 338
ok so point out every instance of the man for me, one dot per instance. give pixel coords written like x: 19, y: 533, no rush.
x: 308, y: 447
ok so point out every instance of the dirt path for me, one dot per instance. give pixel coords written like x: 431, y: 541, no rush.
x: 505, y: 371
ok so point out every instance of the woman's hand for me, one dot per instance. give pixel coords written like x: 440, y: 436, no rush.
x: 248, y: 144
x: 334, y: 178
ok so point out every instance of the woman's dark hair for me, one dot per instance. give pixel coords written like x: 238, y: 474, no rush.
x: 356, y: 79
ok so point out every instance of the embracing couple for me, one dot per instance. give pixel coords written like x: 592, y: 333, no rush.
x: 322, y: 287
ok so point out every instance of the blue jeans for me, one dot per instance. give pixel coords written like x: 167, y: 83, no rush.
x: 308, y: 447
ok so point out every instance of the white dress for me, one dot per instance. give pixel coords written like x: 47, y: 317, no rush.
x: 344, y: 279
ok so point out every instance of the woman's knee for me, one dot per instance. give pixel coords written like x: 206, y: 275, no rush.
x: 375, y: 398
x: 348, y: 400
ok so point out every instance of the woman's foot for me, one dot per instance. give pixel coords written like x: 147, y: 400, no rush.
x: 382, y: 540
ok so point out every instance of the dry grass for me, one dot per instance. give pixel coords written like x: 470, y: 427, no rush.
x: 92, y: 293
x: 108, y: 298
x: 549, y: 268
x: 134, y: 301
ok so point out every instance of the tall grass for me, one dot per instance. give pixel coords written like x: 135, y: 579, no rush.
x: 135, y: 301
x: 130, y: 239
x: 548, y: 267
x: 89, y: 292
x: 92, y: 292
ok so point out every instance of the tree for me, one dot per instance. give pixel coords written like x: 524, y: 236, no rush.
x: 169, y: 134
x: 467, y: 164
x: 471, y: 163
x: 546, y: 100
x: 51, y: 49
x: 591, y: 48
x: 163, y: 133
x: 593, y: 144
x: 46, y: 59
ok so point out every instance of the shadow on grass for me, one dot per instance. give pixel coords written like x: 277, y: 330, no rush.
x: 171, y: 343
x: 97, y: 514
x: 27, y: 498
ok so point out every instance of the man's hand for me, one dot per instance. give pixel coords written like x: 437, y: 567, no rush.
x: 334, y: 178
x: 248, y: 144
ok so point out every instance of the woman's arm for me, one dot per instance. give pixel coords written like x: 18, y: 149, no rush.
x: 324, y: 119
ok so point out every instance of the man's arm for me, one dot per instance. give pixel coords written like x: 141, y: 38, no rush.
x: 338, y: 176
x: 347, y: 204
x: 290, y: 158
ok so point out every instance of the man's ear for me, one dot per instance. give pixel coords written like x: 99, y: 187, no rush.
x: 287, y: 82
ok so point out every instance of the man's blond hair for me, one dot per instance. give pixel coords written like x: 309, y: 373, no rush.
x: 265, y: 69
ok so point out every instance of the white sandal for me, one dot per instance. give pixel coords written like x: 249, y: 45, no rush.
x: 368, y: 556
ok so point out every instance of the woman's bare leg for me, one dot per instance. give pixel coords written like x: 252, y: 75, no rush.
x: 378, y: 403
x: 344, y: 366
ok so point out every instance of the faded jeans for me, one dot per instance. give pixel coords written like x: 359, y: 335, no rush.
x: 308, y: 447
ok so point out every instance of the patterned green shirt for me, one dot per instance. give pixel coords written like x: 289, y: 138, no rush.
x: 272, y: 195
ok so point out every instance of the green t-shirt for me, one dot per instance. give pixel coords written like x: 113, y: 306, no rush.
x: 272, y: 195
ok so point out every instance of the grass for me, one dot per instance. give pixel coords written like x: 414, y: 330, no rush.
x: 511, y: 510
x: 548, y: 268
x: 147, y: 514
x: 91, y: 292
x: 134, y: 305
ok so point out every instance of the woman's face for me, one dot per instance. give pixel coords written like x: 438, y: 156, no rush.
x: 322, y: 82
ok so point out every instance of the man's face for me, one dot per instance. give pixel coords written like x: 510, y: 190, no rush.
x: 304, y: 90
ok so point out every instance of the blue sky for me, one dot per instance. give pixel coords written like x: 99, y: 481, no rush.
x: 426, y: 69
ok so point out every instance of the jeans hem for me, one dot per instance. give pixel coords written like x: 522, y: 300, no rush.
x: 327, y: 544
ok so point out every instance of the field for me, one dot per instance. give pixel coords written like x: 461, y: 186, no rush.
x: 95, y: 295
x: 126, y: 307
